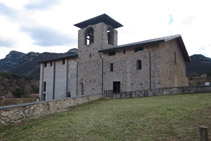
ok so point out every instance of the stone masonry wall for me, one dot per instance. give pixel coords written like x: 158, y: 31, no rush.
x: 158, y: 92
x: 172, y: 66
x: 16, y: 113
x: 89, y: 60
x: 125, y: 69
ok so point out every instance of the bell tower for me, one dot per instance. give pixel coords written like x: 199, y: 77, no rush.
x: 94, y: 34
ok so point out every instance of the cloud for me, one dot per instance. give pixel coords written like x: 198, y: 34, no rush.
x: 188, y: 20
x: 6, y: 42
x: 5, y: 10
x: 170, y: 20
x: 40, y: 4
x: 45, y: 36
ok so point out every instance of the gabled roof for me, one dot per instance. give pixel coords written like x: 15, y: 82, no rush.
x: 152, y: 41
x: 69, y: 55
x: 102, y: 18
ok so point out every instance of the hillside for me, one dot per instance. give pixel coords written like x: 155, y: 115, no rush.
x: 199, y: 65
x: 10, y: 82
x: 26, y: 64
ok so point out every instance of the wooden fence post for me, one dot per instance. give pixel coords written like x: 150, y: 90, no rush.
x: 203, y: 133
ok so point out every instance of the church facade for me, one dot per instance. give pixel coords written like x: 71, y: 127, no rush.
x: 100, y: 64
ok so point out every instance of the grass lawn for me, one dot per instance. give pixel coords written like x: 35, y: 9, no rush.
x: 160, y: 118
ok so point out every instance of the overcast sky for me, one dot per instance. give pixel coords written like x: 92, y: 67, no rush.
x: 47, y: 25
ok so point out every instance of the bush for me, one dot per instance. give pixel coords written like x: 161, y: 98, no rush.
x: 209, y: 75
x: 18, y: 93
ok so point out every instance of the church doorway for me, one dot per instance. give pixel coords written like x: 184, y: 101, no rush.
x: 116, y: 87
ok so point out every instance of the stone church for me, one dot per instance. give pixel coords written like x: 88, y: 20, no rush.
x: 101, y: 65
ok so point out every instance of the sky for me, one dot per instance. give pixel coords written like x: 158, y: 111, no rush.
x: 48, y: 25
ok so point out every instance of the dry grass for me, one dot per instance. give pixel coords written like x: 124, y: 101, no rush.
x: 161, y: 118
x: 13, y: 101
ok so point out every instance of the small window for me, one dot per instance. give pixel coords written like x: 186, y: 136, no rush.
x: 138, y: 49
x: 44, y: 86
x: 110, y: 36
x: 68, y: 94
x: 111, y: 67
x: 89, y: 36
x: 111, y: 53
x: 90, y: 55
x: 45, y: 64
x: 175, y: 58
x: 138, y: 65
x: 63, y: 61
x: 51, y: 63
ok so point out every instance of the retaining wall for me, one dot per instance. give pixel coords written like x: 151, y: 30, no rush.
x: 16, y: 113
x: 157, y: 92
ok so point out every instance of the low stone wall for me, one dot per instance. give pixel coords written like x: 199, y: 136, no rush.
x: 157, y: 92
x: 16, y: 113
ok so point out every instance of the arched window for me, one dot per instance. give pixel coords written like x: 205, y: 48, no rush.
x: 138, y: 65
x: 89, y: 36
x: 110, y: 36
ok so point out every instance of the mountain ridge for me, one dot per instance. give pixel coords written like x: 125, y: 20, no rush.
x: 199, y: 65
x: 27, y: 64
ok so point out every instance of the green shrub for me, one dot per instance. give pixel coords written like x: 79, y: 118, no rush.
x: 18, y: 93
x: 209, y: 75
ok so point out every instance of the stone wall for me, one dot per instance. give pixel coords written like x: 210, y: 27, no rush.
x: 158, y: 92
x: 163, y: 65
x: 89, y: 60
x: 16, y: 113
x: 172, y: 66
x: 124, y: 70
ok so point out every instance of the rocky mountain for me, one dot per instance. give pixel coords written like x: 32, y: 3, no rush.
x: 27, y: 64
x: 199, y: 65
